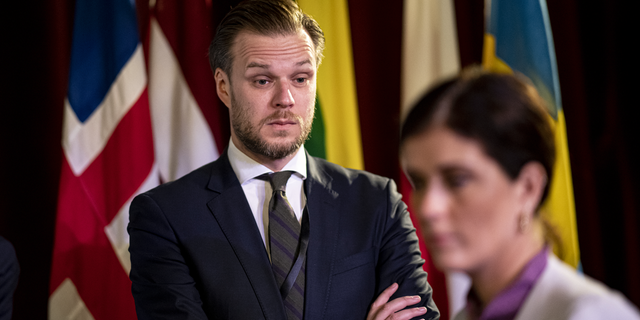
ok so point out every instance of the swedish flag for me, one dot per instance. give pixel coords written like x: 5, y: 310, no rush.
x: 518, y: 38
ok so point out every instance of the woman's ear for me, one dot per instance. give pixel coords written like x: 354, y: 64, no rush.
x: 223, y: 86
x: 532, y: 180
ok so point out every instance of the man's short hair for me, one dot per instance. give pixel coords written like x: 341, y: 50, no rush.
x: 263, y: 17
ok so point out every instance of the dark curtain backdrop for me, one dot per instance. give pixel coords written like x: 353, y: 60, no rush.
x: 595, y: 63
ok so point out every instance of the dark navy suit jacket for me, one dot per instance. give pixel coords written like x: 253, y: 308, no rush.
x: 9, y: 272
x: 196, y: 252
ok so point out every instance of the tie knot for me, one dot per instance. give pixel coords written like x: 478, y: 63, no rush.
x: 279, y: 180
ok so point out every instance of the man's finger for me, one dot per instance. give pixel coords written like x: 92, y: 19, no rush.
x: 384, y: 296
x: 392, y: 307
x: 382, y: 308
x: 409, y: 313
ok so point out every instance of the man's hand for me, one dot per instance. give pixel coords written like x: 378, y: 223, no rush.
x: 381, y: 309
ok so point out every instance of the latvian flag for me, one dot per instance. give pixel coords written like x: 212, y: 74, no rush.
x: 190, y: 124
x: 108, y: 152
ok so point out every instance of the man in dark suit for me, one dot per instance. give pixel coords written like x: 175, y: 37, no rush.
x: 267, y: 231
x: 9, y: 272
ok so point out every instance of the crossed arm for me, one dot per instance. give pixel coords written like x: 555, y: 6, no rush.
x: 383, y: 309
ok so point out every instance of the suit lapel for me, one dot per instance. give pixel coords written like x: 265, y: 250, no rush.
x: 232, y: 212
x: 324, y: 223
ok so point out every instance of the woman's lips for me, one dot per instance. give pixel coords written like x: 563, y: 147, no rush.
x: 440, y: 240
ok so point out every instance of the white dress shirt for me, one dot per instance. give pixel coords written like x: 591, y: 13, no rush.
x: 258, y: 192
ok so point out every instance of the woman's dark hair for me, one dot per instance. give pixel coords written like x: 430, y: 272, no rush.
x: 503, y: 113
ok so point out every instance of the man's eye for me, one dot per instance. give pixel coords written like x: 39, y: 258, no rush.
x: 301, y: 80
x: 262, y: 82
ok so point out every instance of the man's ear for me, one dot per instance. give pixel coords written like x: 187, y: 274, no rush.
x: 533, y: 179
x: 223, y: 86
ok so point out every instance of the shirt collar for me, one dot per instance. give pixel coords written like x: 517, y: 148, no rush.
x: 246, y: 168
x: 508, y: 302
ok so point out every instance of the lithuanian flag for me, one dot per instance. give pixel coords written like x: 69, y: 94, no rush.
x: 518, y: 38
x: 336, y: 129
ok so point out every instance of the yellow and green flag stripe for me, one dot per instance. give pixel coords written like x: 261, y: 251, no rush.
x: 336, y: 129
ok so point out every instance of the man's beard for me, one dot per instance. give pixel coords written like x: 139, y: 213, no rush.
x: 249, y: 135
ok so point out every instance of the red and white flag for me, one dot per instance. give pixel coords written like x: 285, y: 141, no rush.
x: 125, y: 131
x: 107, y: 145
x: 188, y: 125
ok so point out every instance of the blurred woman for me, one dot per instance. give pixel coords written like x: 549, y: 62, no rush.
x: 479, y: 152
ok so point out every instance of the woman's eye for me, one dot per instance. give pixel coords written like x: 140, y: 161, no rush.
x: 457, y: 180
x: 417, y: 183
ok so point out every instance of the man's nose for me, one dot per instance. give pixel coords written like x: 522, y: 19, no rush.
x: 283, y: 97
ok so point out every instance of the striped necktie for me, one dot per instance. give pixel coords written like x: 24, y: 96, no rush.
x: 284, y: 233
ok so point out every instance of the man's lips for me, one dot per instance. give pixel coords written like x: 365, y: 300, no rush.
x: 282, y: 122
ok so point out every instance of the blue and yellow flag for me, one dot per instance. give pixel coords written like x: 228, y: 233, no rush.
x: 518, y: 38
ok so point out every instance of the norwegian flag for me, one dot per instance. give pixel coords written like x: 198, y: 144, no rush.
x: 121, y: 139
x: 108, y: 152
